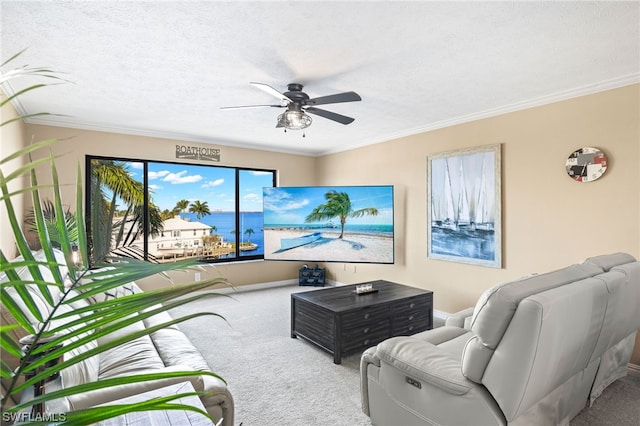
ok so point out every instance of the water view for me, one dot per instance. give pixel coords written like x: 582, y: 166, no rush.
x: 225, y: 227
x: 193, y: 210
x: 329, y: 224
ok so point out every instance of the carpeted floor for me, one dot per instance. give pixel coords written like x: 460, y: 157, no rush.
x: 274, y: 379
x: 619, y: 405
x: 277, y: 380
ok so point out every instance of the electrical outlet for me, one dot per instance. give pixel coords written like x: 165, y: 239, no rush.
x: 198, y: 277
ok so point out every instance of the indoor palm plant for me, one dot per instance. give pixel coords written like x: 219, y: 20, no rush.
x: 51, y: 342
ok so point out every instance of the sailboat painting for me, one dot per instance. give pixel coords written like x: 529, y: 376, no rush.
x: 464, y: 206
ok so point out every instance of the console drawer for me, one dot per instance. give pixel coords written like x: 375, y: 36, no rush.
x: 365, y: 327
x: 365, y: 336
x: 366, y: 315
x: 413, y: 305
x: 412, y: 315
x: 410, y: 327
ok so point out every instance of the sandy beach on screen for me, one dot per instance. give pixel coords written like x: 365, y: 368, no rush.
x: 354, y: 247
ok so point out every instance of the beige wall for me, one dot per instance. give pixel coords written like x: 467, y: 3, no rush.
x: 549, y: 221
x: 75, y: 144
x: 12, y: 138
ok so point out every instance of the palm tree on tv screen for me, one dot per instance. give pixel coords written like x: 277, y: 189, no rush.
x: 338, y: 205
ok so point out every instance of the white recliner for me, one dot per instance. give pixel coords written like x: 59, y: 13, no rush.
x: 533, y: 351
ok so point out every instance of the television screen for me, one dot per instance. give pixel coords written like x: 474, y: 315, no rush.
x: 348, y: 224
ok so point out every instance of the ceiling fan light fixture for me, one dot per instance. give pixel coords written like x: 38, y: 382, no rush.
x: 294, y: 120
x: 298, y: 104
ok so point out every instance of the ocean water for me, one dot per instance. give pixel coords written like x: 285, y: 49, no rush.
x: 225, y: 222
x: 386, y: 230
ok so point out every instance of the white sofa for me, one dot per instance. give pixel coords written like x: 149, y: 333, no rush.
x: 167, y: 349
x: 533, y: 352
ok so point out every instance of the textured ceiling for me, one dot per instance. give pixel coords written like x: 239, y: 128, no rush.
x: 165, y: 68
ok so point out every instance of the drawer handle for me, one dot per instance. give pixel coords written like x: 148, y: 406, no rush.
x: 411, y: 318
x: 366, y: 330
x: 412, y: 305
x: 366, y: 316
x: 411, y: 328
x: 366, y: 342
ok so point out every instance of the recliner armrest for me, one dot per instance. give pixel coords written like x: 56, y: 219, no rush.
x: 461, y: 319
x: 409, y: 380
x: 425, y: 362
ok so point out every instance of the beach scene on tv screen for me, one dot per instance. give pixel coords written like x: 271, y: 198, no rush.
x: 351, y: 224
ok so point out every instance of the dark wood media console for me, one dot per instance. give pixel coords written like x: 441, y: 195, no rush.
x: 340, y: 321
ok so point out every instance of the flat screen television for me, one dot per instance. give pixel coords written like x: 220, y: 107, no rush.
x: 347, y: 224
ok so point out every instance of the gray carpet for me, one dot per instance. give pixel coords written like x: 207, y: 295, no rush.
x: 277, y: 380
x: 619, y: 405
x: 274, y: 379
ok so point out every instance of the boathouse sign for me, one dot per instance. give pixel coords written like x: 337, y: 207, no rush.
x: 197, y: 153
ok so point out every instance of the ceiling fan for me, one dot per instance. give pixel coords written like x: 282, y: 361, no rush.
x: 298, y: 104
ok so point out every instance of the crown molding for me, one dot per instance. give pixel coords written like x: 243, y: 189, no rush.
x: 586, y: 90
x: 591, y: 89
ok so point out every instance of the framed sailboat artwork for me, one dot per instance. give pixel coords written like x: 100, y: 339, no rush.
x: 464, y: 214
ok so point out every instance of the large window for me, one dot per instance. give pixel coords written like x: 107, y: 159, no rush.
x: 163, y: 211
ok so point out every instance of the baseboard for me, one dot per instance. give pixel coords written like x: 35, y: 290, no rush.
x: 633, y: 370
x: 441, y: 315
x: 260, y: 286
x: 274, y: 284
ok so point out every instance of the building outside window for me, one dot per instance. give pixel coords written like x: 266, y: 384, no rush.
x: 156, y: 204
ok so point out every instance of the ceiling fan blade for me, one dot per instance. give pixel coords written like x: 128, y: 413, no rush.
x: 343, y: 119
x: 271, y: 91
x: 252, y: 106
x: 334, y: 99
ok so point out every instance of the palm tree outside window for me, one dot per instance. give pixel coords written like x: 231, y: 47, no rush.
x: 140, y: 206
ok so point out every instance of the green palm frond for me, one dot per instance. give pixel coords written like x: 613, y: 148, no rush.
x: 68, y: 288
x: 99, y: 319
x: 200, y: 208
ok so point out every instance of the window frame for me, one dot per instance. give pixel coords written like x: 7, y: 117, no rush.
x: 238, y: 256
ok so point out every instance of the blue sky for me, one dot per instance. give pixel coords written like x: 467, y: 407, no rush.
x: 170, y: 183
x: 290, y: 205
